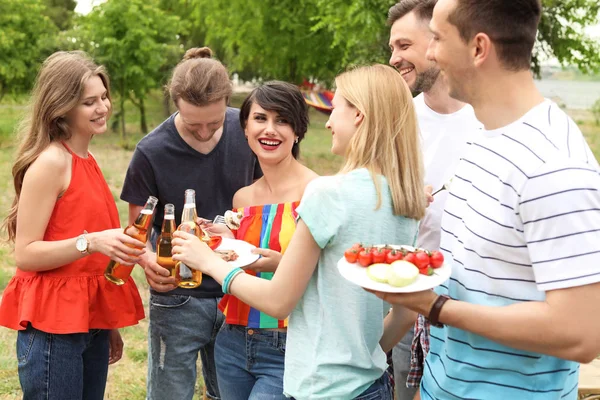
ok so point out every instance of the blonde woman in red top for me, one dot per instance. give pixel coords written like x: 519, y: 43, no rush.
x: 65, y: 228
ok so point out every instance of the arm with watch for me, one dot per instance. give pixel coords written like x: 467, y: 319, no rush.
x: 558, y: 326
x: 45, y: 180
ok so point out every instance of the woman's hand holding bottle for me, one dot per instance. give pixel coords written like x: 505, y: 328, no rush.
x: 190, y: 250
x: 115, y: 244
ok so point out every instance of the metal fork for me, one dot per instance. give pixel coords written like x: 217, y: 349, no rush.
x: 219, y: 219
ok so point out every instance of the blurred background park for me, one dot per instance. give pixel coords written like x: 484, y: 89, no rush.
x: 140, y: 41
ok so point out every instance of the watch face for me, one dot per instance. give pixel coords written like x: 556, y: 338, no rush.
x: 81, y: 244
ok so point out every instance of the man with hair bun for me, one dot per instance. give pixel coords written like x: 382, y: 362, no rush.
x: 201, y: 147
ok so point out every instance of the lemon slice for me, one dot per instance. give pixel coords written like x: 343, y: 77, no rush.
x: 402, y: 273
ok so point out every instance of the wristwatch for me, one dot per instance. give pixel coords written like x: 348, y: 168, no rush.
x: 82, y: 243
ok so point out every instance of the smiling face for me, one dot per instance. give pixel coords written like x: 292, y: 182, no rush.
x: 90, y: 114
x: 201, y: 122
x: 270, y: 136
x: 409, y: 39
x: 342, y: 123
x: 451, y: 53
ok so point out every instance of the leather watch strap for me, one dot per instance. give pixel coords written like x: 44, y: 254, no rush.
x: 436, y: 308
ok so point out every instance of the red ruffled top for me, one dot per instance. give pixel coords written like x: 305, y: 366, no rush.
x: 76, y: 297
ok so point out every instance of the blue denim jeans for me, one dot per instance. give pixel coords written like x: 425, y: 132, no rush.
x: 401, y: 360
x: 180, y: 328
x: 62, y: 366
x: 381, y: 389
x: 250, y: 363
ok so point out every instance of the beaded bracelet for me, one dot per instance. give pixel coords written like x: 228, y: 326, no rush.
x: 229, y: 278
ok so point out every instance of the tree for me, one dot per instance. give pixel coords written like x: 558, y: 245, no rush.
x: 61, y: 12
x: 268, y: 39
x: 26, y: 38
x: 359, y: 28
x: 561, y: 34
x: 135, y: 40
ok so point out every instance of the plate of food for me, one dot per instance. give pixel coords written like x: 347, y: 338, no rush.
x: 394, y: 268
x: 237, y: 252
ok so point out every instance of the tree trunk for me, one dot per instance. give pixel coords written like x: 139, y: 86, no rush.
x: 122, y: 107
x: 143, y: 123
x: 166, y: 104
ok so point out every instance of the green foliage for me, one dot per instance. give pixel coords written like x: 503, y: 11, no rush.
x: 137, y: 42
x: 26, y: 38
x: 268, y: 39
x: 596, y: 112
x: 561, y: 34
x: 358, y: 27
x: 61, y: 12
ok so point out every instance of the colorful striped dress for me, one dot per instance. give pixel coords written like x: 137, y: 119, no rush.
x: 268, y: 226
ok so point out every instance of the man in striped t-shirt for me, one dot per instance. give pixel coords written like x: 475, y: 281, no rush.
x: 521, y: 226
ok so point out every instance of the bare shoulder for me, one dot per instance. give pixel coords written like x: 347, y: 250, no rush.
x: 52, y: 161
x: 245, y: 196
x: 308, y: 175
x: 51, y: 171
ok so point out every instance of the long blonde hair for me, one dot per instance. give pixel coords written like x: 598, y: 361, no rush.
x: 57, y: 90
x: 387, y: 140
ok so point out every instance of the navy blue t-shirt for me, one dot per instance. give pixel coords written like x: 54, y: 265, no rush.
x: 164, y: 165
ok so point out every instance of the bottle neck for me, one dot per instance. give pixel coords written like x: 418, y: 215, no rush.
x: 168, y: 225
x: 189, y: 213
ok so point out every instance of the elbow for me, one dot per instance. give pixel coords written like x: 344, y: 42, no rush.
x: 280, y: 311
x: 586, y: 356
x: 584, y: 352
x: 21, y: 262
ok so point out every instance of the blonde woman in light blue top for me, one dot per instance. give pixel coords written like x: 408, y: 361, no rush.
x: 338, y: 333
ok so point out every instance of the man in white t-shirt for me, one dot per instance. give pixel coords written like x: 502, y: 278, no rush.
x: 446, y: 126
x: 520, y: 226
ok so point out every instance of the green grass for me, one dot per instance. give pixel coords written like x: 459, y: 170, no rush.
x: 127, y: 379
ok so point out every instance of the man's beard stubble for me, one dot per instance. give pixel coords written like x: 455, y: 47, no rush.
x: 425, y: 80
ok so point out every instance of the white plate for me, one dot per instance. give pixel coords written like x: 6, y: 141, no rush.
x: 357, y: 274
x: 243, y: 250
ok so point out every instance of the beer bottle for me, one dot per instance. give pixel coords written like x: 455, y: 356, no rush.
x: 187, y: 277
x: 118, y: 273
x: 163, y: 243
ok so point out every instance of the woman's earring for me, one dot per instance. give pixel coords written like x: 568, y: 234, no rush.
x: 296, y: 141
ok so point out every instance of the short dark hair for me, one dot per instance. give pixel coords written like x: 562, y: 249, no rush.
x: 286, y: 100
x: 423, y: 9
x: 510, y: 24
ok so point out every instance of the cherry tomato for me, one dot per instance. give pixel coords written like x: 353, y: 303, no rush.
x: 428, y: 271
x: 436, y: 258
x: 387, y: 250
x: 421, y: 259
x: 358, y: 247
x: 351, y: 255
x: 365, y: 258
x: 393, y: 255
x: 410, y: 257
x: 378, y: 255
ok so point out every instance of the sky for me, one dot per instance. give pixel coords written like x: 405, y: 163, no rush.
x: 85, y: 6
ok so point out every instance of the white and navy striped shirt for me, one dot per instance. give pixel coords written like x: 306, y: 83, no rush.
x: 522, y: 218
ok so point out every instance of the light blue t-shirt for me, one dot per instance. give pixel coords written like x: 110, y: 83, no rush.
x: 333, y: 335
